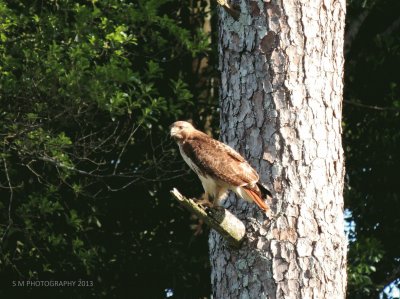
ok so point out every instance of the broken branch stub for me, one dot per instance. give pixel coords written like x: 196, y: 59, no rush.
x: 220, y: 219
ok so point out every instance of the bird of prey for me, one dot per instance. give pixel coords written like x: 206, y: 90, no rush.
x: 219, y: 167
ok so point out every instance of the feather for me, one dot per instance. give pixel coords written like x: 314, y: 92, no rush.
x: 257, y: 199
x: 264, y: 191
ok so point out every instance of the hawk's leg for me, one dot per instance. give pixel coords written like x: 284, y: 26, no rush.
x: 220, y: 194
x: 204, y: 201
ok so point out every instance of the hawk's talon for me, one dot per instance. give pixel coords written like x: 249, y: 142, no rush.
x: 204, y: 203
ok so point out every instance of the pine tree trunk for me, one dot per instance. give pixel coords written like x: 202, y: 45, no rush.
x: 281, y: 69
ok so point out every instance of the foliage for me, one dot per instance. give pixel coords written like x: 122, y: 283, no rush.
x: 365, y: 255
x: 372, y: 138
x: 88, y: 89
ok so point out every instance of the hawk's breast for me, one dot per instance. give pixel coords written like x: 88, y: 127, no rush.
x: 189, y: 162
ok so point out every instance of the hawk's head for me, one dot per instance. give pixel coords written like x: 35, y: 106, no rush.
x: 180, y: 130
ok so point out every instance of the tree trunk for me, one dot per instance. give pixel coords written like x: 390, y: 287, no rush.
x: 281, y: 69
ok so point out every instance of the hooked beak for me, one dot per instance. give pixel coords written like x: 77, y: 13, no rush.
x: 173, y: 131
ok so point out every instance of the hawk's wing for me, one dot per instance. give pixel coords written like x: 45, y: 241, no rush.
x: 216, y: 159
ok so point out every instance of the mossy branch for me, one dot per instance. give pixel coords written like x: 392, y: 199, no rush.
x: 220, y: 219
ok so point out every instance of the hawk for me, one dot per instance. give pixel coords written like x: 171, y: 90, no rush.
x: 219, y: 167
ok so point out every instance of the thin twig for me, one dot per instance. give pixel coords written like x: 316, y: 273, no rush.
x: 372, y: 107
x: 10, y: 200
x: 133, y: 131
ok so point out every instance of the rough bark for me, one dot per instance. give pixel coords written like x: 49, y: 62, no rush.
x: 281, y: 69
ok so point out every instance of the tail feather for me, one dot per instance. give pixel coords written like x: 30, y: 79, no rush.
x: 264, y: 191
x: 257, y: 199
